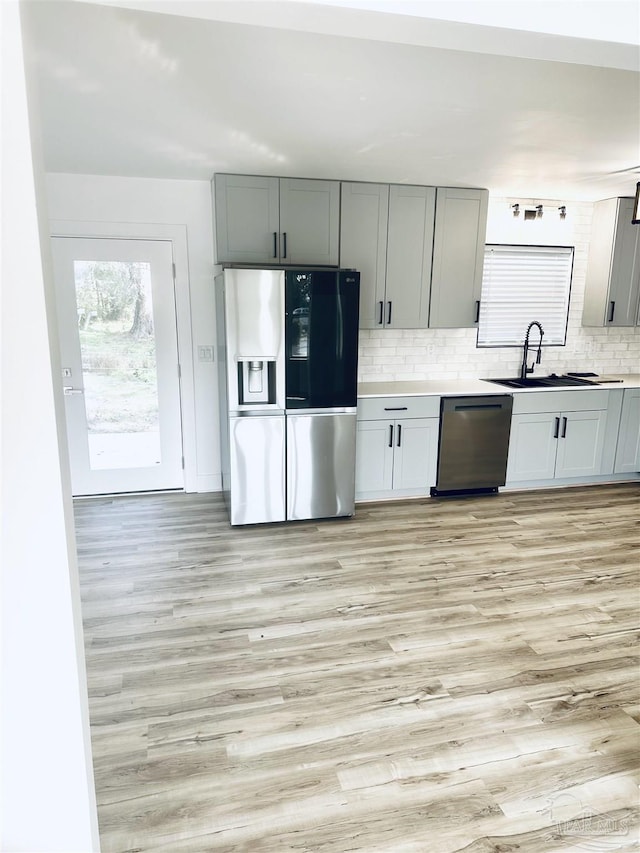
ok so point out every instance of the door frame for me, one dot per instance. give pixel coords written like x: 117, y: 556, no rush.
x: 177, y: 235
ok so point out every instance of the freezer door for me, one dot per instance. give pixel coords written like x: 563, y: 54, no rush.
x: 256, y: 469
x: 321, y: 451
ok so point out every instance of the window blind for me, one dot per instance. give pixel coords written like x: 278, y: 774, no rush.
x: 521, y: 284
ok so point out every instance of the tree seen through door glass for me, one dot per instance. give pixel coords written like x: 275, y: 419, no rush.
x: 117, y: 342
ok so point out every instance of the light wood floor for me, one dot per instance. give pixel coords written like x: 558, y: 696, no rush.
x: 434, y: 676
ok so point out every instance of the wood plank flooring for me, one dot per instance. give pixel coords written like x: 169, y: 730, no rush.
x: 430, y: 676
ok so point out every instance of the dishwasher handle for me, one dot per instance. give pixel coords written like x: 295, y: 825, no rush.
x: 477, y: 407
x: 477, y: 403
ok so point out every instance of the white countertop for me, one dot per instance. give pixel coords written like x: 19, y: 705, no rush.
x: 455, y: 387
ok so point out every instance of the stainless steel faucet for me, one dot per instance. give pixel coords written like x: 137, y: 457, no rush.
x: 524, y: 370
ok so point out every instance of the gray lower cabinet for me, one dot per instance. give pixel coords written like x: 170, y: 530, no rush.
x: 458, y: 257
x: 557, y: 435
x: 267, y: 220
x: 612, y: 287
x: 627, y: 459
x: 386, y: 232
x: 396, y: 447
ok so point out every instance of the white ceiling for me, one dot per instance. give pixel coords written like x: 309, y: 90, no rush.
x: 310, y: 89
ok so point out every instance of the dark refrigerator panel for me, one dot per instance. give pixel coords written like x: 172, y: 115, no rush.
x: 321, y: 338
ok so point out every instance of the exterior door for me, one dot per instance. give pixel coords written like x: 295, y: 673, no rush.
x: 118, y: 344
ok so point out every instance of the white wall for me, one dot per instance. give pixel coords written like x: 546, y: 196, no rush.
x: 407, y: 354
x: 117, y: 202
x: 48, y: 797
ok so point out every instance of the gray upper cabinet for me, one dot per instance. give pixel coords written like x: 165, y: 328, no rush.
x: 458, y: 257
x: 363, y: 244
x: 613, y: 268
x: 247, y: 217
x: 263, y: 220
x: 409, y: 248
x: 387, y: 234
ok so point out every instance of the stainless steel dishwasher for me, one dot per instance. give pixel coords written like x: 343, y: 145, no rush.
x: 473, y: 444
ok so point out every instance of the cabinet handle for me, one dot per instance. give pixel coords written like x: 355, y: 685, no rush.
x: 556, y: 431
x: 564, y: 428
x: 477, y: 320
x: 389, y: 314
x: 275, y: 244
x: 399, y: 434
x: 612, y: 310
x: 395, y: 408
x: 284, y: 244
x: 390, y: 435
x: 381, y: 313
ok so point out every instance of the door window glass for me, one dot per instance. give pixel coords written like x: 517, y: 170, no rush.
x: 117, y: 342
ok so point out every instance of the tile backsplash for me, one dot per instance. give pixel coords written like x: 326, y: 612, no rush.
x: 406, y: 354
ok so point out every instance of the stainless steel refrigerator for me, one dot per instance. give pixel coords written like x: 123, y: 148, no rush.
x: 287, y: 358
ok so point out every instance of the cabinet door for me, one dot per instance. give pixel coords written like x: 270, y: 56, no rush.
x: 309, y: 221
x: 409, y: 251
x: 625, y: 269
x: 247, y: 219
x: 612, y: 285
x: 532, y: 447
x: 374, y: 456
x: 415, y: 453
x: 363, y: 245
x: 458, y: 257
x: 581, y: 444
x: 628, y: 449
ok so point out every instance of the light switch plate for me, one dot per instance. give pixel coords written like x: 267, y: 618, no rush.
x: 205, y: 353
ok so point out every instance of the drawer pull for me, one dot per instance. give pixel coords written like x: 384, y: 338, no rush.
x: 395, y: 408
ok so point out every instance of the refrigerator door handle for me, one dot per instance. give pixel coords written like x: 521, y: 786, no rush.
x: 255, y: 413
x: 339, y: 410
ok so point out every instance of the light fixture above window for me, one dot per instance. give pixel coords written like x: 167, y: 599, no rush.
x: 536, y: 211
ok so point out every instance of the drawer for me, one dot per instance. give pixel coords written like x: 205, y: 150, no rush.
x: 392, y: 408
x: 574, y: 400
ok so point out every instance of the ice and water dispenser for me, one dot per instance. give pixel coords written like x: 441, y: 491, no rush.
x: 256, y: 381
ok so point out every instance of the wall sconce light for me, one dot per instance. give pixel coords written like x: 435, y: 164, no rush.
x: 635, y: 216
x: 538, y: 210
x: 563, y: 212
x: 516, y: 209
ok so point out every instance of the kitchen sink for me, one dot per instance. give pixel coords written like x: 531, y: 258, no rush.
x: 552, y: 381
